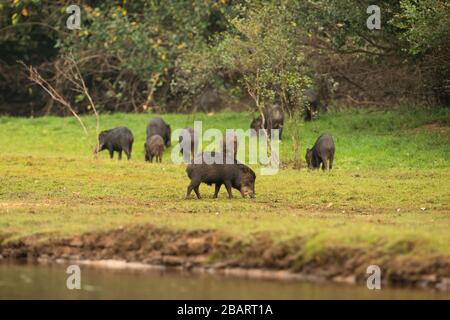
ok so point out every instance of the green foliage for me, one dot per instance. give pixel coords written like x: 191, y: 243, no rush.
x: 195, y: 72
x: 426, y: 24
x: 27, y: 31
x: 341, y: 25
x: 145, y: 38
x: 260, y: 50
x: 130, y: 51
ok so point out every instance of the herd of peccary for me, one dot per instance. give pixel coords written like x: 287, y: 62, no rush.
x: 229, y: 171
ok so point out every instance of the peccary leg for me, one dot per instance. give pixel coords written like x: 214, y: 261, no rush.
x: 193, y: 186
x: 324, y: 163
x: 316, y: 161
x: 120, y: 155
x: 330, y: 165
x: 151, y: 158
x: 189, y: 190
x: 228, y: 186
x: 197, y: 191
x: 111, y: 153
x: 216, y: 192
x: 128, y: 153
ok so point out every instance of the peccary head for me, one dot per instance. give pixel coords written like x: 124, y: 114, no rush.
x: 248, y: 178
x: 309, y: 158
x: 101, y: 141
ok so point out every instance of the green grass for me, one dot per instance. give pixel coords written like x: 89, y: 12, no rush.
x: 388, y: 166
x: 364, y: 139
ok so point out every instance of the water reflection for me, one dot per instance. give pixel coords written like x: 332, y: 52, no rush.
x: 28, y: 281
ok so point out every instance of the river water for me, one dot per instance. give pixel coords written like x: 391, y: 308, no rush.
x: 37, y: 281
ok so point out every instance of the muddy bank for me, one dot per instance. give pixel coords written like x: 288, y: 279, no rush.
x: 209, y: 250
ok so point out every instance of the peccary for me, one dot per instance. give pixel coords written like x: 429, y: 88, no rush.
x: 188, y: 140
x: 237, y: 176
x: 154, y: 147
x: 313, y: 104
x: 117, y: 139
x: 321, y: 152
x: 159, y: 127
x: 273, y: 119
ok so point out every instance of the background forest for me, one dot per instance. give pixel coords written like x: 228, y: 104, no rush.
x: 187, y: 56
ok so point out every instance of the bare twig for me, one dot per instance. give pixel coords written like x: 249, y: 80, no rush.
x: 72, y: 74
x: 91, y: 102
x: 151, y: 90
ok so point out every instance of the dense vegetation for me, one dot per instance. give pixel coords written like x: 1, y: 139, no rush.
x: 203, y: 55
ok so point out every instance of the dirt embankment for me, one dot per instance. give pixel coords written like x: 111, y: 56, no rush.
x: 211, y: 249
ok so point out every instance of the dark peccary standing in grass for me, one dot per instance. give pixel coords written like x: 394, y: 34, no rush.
x: 188, y: 140
x: 154, y: 147
x: 236, y: 175
x: 118, y: 139
x: 159, y: 127
x: 273, y: 119
x: 321, y: 153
